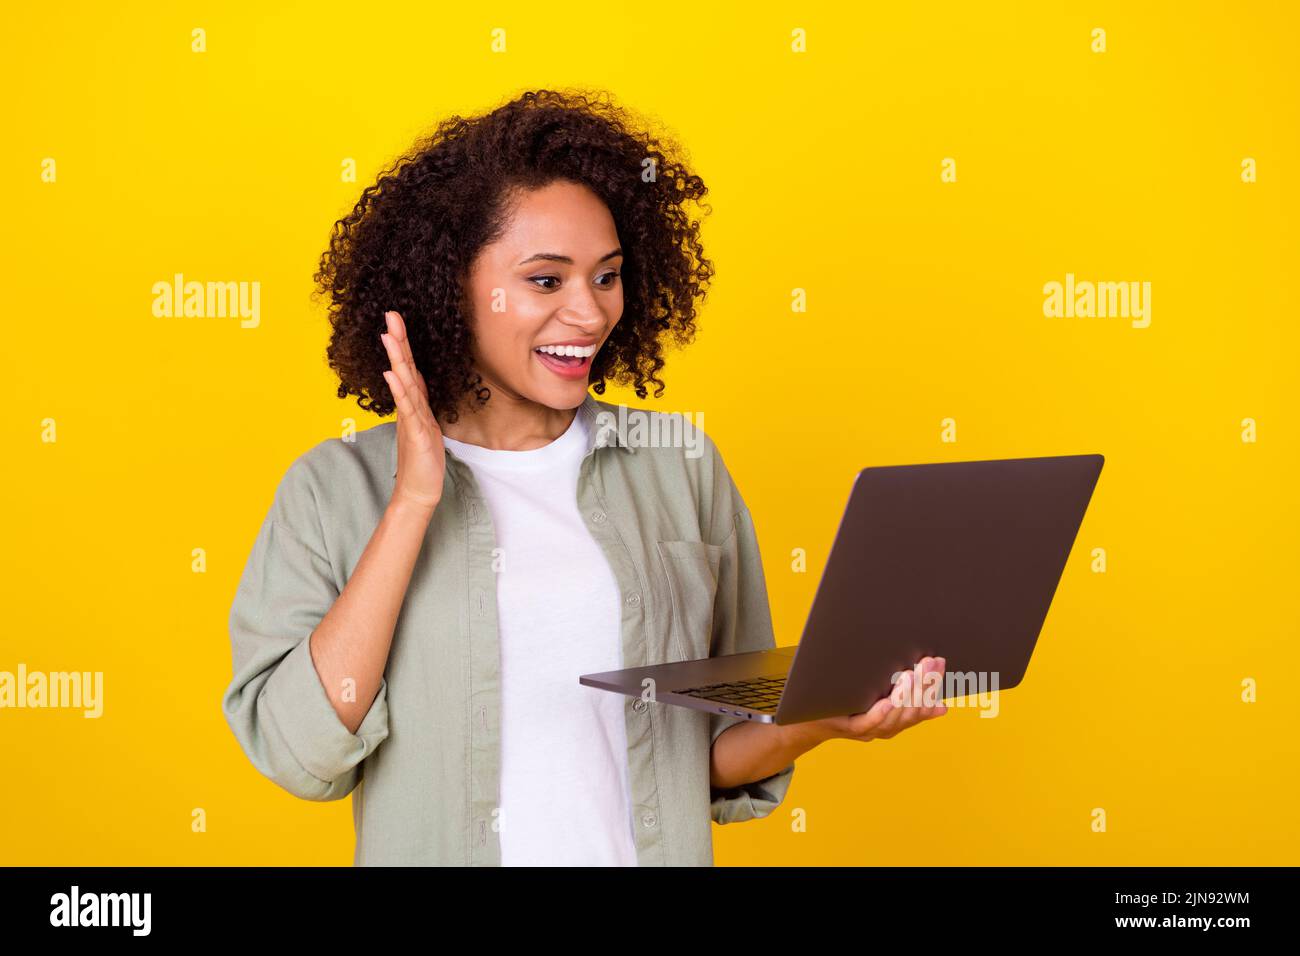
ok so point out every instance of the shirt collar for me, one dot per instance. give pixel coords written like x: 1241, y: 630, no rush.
x: 601, y: 432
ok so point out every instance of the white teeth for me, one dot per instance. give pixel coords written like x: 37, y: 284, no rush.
x: 576, y: 351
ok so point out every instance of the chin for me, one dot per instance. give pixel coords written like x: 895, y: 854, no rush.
x: 561, y: 396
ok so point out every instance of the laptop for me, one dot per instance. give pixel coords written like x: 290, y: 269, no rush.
x: 958, y: 560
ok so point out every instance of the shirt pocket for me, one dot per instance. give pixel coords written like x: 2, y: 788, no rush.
x: 691, y: 568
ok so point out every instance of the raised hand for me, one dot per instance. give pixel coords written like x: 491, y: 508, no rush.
x: 421, y: 458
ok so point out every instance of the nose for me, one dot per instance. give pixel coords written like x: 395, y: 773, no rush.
x: 584, y: 314
x: 586, y: 324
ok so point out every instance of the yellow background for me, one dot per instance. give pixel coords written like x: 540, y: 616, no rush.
x: 924, y: 303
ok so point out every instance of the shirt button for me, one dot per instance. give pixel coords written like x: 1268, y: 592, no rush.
x: 648, y: 820
x: 473, y: 513
x: 634, y: 599
x: 638, y: 705
x: 598, y: 516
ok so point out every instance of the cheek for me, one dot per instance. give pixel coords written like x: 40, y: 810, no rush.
x: 521, y: 317
x: 506, y: 344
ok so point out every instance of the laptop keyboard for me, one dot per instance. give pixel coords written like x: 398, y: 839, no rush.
x: 757, y: 693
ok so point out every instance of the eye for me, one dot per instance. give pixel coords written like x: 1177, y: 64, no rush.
x: 542, y: 278
x: 611, y: 276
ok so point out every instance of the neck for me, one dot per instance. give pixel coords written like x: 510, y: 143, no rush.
x: 509, y: 424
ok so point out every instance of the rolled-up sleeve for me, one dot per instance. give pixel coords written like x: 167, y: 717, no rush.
x: 275, y: 703
x: 742, y: 622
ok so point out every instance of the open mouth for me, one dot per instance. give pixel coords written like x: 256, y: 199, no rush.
x: 567, y: 365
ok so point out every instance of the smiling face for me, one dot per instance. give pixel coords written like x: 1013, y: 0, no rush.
x: 551, y: 281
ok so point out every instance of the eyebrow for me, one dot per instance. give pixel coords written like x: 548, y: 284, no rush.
x: 556, y: 257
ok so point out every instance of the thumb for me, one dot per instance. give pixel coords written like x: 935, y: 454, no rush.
x: 867, y: 721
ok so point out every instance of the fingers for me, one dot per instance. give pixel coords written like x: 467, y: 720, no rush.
x: 409, y: 415
x: 916, y: 709
x: 889, y: 711
x: 917, y: 695
x: 397, y: 329
x: 406, y: 410
x: 404, y: 394
x: 928, y: 691
x: 901, y: 695
x: 891, y: 722
x: 910, y: 694
x: 934, y: 697
x: 919, y: 690
x: 865, y: 725
x: 397, y: 357
x: 417, y: 410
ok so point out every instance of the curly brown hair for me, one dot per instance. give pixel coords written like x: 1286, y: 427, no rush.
x: 409, y: 243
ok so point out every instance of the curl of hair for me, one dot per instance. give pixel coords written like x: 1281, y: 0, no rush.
x: 409, y: 243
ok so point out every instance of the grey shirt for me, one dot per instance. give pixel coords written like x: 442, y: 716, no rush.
x: 423, y: 767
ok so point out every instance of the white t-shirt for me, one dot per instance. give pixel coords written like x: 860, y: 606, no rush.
x: 565, y: 798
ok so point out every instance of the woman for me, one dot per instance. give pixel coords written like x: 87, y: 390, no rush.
x: 422, y: 596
